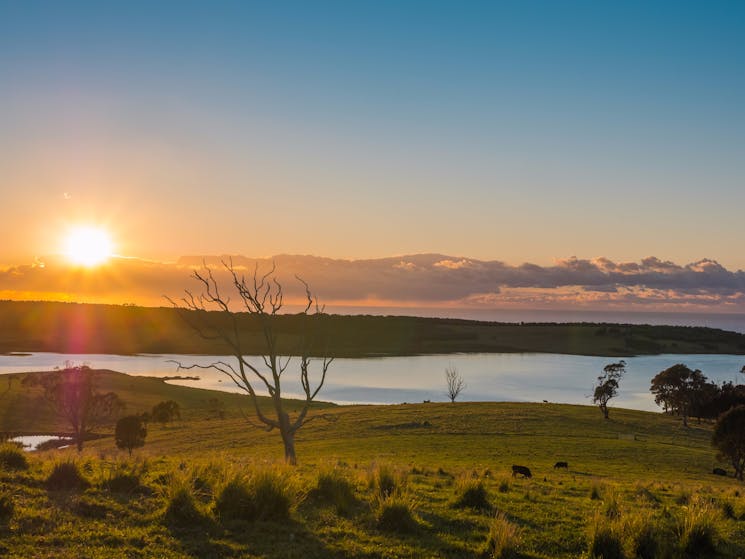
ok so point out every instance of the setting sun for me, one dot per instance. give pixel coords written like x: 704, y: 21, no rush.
x: 88, y: 246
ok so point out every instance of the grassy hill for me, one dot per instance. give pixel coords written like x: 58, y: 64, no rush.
x: 638, y: 477
x: 79, y: 328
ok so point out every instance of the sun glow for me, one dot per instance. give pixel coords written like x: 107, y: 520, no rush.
x: 88, y: 246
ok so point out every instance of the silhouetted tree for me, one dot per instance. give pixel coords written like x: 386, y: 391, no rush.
x: 729, y: 438
x: 72, y: 394
x: 130, y: 433
x: 677, y: 389
x: 455, y: 383
x: 607, y: 386
x: 165, y: 412
x: 261, y: 297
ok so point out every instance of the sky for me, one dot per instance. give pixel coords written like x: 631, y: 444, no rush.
x: 495, y: 132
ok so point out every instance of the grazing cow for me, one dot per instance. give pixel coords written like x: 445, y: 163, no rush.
x: 522, y: 470
x: 564, y: 465
x: 719, y: 472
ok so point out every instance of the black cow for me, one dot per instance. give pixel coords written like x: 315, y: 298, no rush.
x: 561, y: 465
x: 719, y: 472
x: 522, y: 470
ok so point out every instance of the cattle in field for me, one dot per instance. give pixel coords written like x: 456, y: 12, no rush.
x: 562, y: 464
x: 521, y: 470
x: 719, y: 472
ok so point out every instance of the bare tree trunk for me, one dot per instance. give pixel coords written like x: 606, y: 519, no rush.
x: 604, y: 409
x: 289, y: 441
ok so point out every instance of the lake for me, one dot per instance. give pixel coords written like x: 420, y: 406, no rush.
x: 387, y: 380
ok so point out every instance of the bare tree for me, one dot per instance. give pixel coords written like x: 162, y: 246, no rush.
x: 455, y: 383
x: 260, y: 296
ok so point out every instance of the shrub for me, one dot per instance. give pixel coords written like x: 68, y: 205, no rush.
x: 66, y: 476
x: 604, y: 539
x: 503, y: 539
x: 263, y: 496
x: 337, y: 490
x: 473, y: 495
x: 12, y: 458
x: 6, y: 509
x: 395, y: 514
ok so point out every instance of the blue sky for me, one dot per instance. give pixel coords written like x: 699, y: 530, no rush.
x: 521, y: 131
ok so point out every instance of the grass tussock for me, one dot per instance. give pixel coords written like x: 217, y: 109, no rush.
x: 67, y: 476
x: 643, y: 536
x: 183, y: 510
x: 12, y: 457
x: 395, y: 513
x: 7, y: 507
x: 604, y: 538
x: 698, y: 531
x: 334, y: 488
x: 503, y: 540
x: 472, y: 494
x: 263, y: 495
x: 385, y: 481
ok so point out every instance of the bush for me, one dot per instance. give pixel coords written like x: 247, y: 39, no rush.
x: 503, y: 539
x: 6, y: 509
x: 264, y: 496
x: 332, y: 487
x: 473, y: 495
x: 66, y: 476
x: 395, y: 515
x: 12, y: 458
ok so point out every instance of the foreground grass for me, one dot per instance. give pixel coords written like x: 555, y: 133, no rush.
x: 426, y: 480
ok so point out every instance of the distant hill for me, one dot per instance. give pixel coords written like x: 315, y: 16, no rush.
x: 83, y: 328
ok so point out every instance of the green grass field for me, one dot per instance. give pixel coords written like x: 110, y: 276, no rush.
x: 634, y: 479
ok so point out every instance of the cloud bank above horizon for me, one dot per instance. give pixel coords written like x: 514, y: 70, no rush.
x: 422, y: 280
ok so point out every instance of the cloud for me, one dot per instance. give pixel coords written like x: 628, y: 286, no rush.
x: 422, y: 279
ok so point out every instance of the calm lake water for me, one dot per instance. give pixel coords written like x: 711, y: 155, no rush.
x: 489, y: 376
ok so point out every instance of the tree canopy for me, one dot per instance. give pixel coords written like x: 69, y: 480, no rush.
x: 607, y: 385
x: 73, y: 395
x: 729, y: 438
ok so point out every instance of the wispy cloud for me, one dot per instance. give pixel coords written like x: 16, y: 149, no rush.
x: 423, y: 279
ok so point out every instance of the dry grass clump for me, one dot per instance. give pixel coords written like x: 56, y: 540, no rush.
x: 12, y: 457
x: 503, y: 540
x: 66, y: 476
x: 698, y: 531
x: 263, y: 495
x: 385, y: 481
x: 395, y: 513
x: 472, y: 494
x: 334, y: 488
